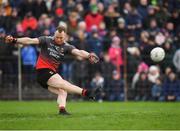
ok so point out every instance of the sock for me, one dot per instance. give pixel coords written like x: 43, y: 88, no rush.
x: 62, y: 108
x: 84, y: 92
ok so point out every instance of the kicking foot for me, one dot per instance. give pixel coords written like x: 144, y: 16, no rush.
x: 92, y: 94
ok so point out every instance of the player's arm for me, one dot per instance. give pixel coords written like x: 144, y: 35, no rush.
x: 92, y: 57
x: 23, y: 40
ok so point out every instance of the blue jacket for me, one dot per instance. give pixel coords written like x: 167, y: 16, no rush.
x: 171, y: 87
x: 29, y: 55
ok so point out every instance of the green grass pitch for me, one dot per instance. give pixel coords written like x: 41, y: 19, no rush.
x: 90, y: 115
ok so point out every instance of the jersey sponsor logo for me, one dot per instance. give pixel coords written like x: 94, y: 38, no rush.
x: 51, y: 72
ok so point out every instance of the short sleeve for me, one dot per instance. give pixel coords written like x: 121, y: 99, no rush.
x: 42, y: 40
x: 69, y: 48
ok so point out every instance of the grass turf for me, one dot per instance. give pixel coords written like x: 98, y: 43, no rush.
x: 90, y: 115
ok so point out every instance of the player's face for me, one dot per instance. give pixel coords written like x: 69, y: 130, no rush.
x: 59, y: 38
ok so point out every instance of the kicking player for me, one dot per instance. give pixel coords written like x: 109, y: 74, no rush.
x: 53, y: 50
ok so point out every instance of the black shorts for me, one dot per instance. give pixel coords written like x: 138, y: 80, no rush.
x: 43, y: 76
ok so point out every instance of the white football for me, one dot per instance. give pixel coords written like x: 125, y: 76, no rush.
x: 157, y: 54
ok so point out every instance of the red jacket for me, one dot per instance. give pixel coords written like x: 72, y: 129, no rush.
x: 93, y: 20
x: 115, y: 55
x: 29, y: 23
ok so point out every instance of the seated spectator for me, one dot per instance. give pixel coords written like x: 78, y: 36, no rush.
x: 156, y: 90
x: 98, y: 81
x: 171, y: 87
x: 153, y: 74
x: 143, y: 88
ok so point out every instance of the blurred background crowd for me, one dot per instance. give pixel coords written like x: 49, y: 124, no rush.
x: 121, y: 32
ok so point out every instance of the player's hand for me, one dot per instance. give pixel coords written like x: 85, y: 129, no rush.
x: 93, y: 58
x: 10, y: 39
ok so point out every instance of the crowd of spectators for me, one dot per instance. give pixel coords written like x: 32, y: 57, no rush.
x: 121, y: 32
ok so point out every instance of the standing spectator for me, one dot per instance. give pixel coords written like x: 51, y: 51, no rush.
x: 153, y: 28
x: 93, y: 18
x: 175, y: 19
x: 111, y: 16
x: 142, y: 9
x: 134, y: 22
x: 169, y: 49
x: 25, y: 7
x: 95, y: 43
x: 107, y: 39
x: 11, y: 21
x: 39, y: 7
x: 47, y: 28
x: 59, y: 16
x: 115, y: 53
x: 72, y: 22
x: 121, y: 29
x: 133, y: 58
x: 29, y: 57
x: 29, y: 22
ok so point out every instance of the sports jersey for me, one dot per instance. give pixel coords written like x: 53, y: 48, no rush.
x: 51, y: 54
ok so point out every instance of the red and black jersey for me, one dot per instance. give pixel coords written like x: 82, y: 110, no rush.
x: 51, y: 54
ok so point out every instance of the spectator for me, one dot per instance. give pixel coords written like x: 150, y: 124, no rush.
x: 111, y: 16
x: 29, y: 57
x: 153, y: 74
x: 93, y: 18
x: 41, y: 6
x: 95, y: 43
x: 156, y: 90
x: 134, y: 22
x: 170, y: 87
x: 121, y: 29
x: 169, y: 49
x: 115, y: 53
x: 142, y: 9
x: 176, y: 62
x: 98, y: 81
x: 72, y: 22
x: 116, y: 87
x: 106, y: 67
x: 29, y: 22
x: 25, y: 7
x: 143, y: 88
x: 133, y: 58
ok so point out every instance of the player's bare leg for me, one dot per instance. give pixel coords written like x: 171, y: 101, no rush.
x: 61, y: 99
x: 57, y: 82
